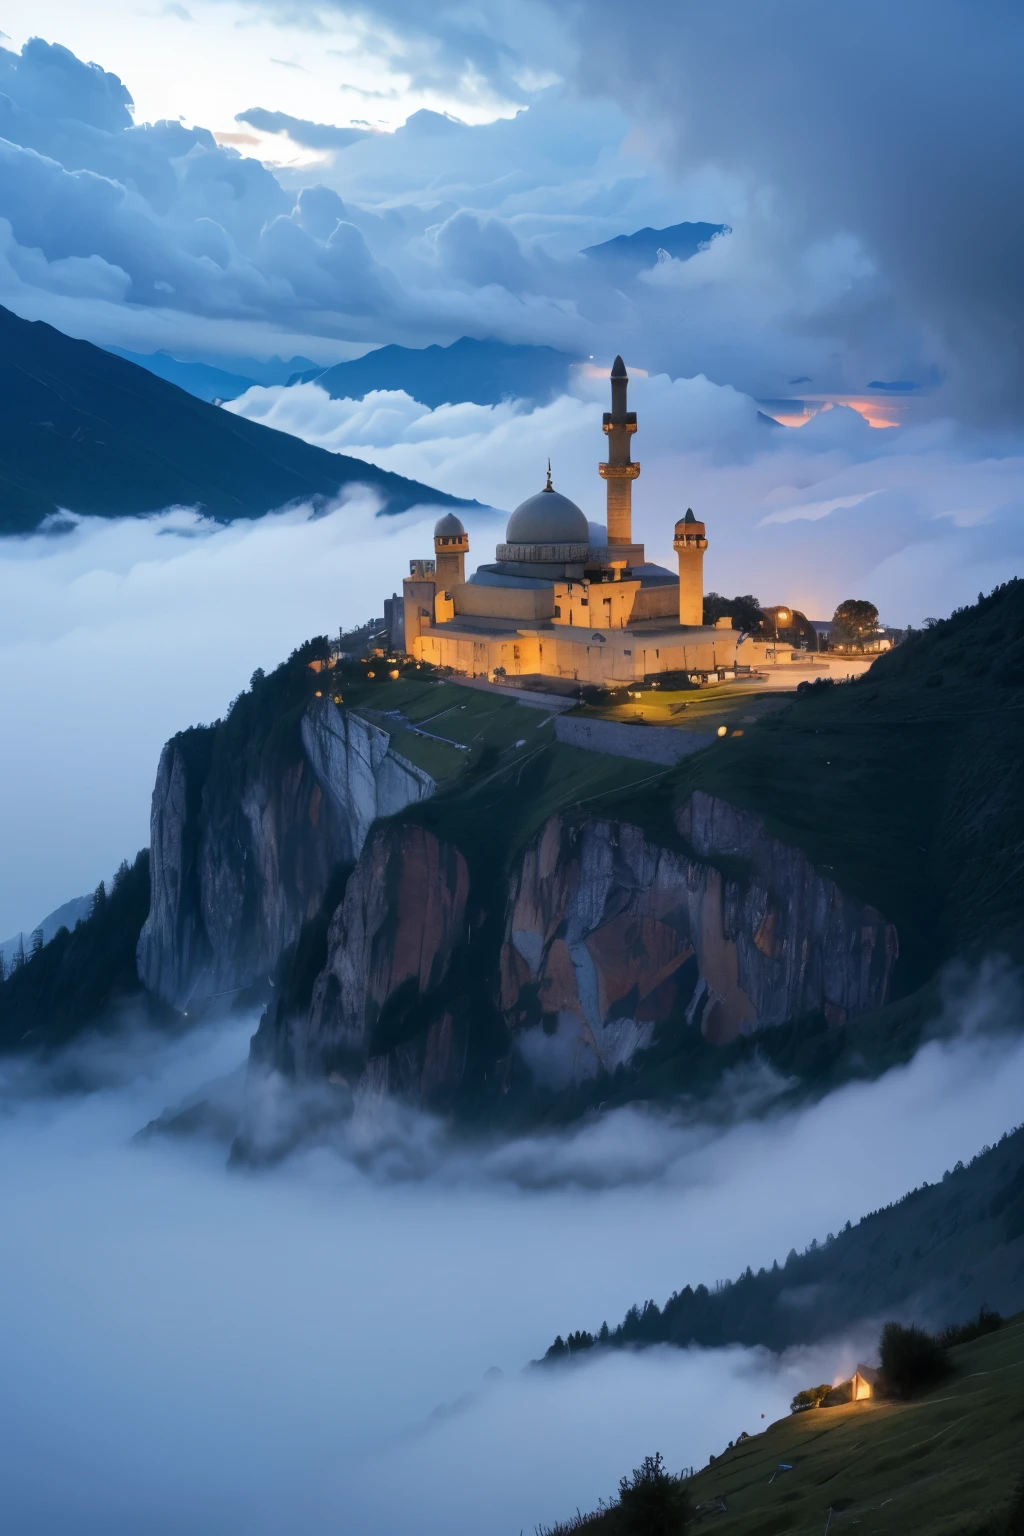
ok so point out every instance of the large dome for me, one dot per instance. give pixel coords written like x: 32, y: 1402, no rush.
x: 547, y: 518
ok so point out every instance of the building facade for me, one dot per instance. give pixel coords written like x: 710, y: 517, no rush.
x: 556, y: 603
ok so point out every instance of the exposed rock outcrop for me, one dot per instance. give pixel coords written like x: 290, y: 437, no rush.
x: 379, y: 1011
x: 237, y: 866
x: 608, y: 935
x: 601, y: 935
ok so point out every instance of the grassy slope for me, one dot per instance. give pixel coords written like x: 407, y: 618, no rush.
x: 91, y: 432
x: 945, y: 1464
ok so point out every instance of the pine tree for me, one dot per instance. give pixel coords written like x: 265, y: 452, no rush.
x: 99, y: 899
x: 36, y: 942
x: 19, y: 954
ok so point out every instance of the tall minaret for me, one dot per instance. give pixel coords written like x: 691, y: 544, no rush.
x: 620, y: 472
x: 689, y: 544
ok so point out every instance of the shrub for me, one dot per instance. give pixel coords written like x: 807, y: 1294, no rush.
x: 652, y: 1502
x: 811, y: 1397
x: 911, y: 1359
x: 986, y: 1321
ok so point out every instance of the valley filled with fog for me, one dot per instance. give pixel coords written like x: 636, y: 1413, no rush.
x: 339, y: 1341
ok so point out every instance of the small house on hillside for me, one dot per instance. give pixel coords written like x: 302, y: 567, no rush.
x: 863, y: 1384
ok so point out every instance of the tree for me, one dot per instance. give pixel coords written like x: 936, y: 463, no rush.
x: 745, y: 612
x: 19, y: 954
x: 911, y: 1359
x: 854, y: 620
x: 810, y: 1397
x: 652, y: 1502
x: 36, y: 942
x: 99, y: 898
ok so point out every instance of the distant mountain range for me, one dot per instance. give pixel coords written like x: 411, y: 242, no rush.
x: 209, y: 381
x: 482, y: 372
x: 89, y: 432
x: 631, y: 253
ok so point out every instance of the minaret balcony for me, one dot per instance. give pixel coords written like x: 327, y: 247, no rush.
x: 618, y: 471
x: 611, y: 423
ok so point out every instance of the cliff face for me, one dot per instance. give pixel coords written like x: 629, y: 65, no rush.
x: 608, y: 935
x: 237, y: 868
x: 602, y: 936
x: 383, y: 1011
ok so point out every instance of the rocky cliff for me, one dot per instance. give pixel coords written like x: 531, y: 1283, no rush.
x: 597, y: 936
x: 244, y: 842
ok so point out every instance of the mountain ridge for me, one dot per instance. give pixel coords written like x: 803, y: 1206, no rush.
x: 85, y: 431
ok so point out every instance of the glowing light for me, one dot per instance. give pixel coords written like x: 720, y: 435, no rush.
x: 723, y: 730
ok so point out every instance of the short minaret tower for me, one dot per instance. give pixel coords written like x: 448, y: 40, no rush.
x: 689, y: 544
x: 451, y: 546
x: 620, y: 471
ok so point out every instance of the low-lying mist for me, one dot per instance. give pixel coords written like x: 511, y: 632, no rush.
x: 312, y: 1347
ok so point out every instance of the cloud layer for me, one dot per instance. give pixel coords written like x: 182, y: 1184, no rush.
x: 194, y: 1348
x: 130, y: 233
x: 118, y: 633
x: 917, y: 519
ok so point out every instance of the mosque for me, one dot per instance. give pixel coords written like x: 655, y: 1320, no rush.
x: 554, y: 603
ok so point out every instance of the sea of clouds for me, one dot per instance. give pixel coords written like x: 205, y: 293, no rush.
x: 340, y: 1341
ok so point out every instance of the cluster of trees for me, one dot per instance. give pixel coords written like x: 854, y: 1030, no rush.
x: 19, y: 957
x: 59, y: 988
x: 850, y: 1270
x: 853, y: 622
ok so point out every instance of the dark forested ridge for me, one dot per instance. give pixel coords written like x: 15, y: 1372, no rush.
x: 89, y: 432
x: 80, y: 977
x: 937, y: 1255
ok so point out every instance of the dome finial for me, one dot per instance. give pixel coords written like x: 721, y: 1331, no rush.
x: 549, y: 486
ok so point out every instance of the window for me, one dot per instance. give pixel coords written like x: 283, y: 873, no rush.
x: 584, y: 601
x: 515, y: 652
x: 558, y: 612
x: 627, y: 653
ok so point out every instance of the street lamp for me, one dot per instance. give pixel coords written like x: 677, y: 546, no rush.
x: 785, y: 615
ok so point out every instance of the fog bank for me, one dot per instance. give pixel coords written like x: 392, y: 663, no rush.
x: 192, y: 1348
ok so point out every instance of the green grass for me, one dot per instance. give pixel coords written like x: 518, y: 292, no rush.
x: 945, y: 1464
x: 735, y: 705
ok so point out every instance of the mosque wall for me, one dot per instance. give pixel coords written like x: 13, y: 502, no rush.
x: 580, y: 654
x: 528, y: 604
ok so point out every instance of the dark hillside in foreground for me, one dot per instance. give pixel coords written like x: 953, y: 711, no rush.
x: 483, y: 372
x: 84, y: 430
x: 947, y: 1463
x: 935, y: 1256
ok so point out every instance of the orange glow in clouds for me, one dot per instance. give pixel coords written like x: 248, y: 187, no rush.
x: 797, y: 413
